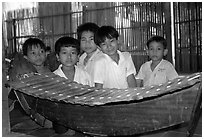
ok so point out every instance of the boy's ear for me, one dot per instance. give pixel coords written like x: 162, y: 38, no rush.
x: 147, y: 51
x: 57, y: 57
x: 25, y: 57
x: 165, y: 52
x: 78, y: 58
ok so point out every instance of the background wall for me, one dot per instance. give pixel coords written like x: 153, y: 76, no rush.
x: 136, y: 23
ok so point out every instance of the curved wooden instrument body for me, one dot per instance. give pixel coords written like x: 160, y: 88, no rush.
x: 103, y: 112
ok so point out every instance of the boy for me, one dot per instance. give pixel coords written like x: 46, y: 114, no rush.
x: 32, y: 60
x: 85, y: 33
x: 113, y: 69
x: 157, y: 70
x: 34, y: 51
x: 67, y: 52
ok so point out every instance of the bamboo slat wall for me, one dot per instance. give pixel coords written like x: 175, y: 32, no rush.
x: 188, y: 36
x: 135, y: 21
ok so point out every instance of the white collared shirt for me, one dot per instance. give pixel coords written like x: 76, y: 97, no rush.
x: 89, y: 67
x: 80, y: 75
x: 111, y: 74
x: 162, y: 73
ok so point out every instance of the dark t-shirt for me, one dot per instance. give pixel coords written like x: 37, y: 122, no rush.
x: 19, y: 65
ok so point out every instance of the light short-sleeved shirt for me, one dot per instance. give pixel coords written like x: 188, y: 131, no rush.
x: 80, y: 76
x: 162, y: 73
x: 111, y: 74
x: 89, y: 67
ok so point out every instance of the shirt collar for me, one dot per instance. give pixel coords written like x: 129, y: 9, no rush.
x: 158, y: 64
x: 121, y: 57
x: 95, y: 53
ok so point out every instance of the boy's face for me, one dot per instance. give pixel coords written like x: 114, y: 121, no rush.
x: 156, y: 51
x: 109, y: 46
x: 68, y: 56
x: 87, y: 43
x: 36, y: 55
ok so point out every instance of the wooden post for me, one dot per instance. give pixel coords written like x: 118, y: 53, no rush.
x: 14, y: 35
x: 167, y: 10
x: 5, y: 108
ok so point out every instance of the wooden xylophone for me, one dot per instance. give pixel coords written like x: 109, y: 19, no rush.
x: 55, y: 88
x: 110, y: 112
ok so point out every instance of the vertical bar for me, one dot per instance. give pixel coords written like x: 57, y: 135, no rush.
x: 161, y: 18
x: 151, y: 19
x: 168, y: 29
x: 53, y: 40
x: 179, y: 23
x: 172, y: 33
x: 64, y: 21
x: 146, y: 11
x: 14, y: 34
x: 189, y: 30
x: 197, y: 35
x: 155, y: 13
x: 142, y: 28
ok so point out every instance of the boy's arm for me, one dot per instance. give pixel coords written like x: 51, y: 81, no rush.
x: 131, y: 71
x: 140, y: 77
x: 139, y: 82
x: 98, y: 85
x: 131, y: 81
x: 130, y: 66
x: 98, y: 73
x: 171, y: 72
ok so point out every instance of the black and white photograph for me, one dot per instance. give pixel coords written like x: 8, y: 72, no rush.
x: 101, y: 69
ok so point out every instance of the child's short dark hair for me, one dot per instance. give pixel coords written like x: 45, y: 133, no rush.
x: 30, y: 42
x: 105, y: 32
x: 160, y: 39
x: 66, y: 42
x: 89, y: 26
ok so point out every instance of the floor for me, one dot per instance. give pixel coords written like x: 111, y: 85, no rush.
x: 21, y: 125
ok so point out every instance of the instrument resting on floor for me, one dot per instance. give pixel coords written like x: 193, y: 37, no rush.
x: 111, y: 112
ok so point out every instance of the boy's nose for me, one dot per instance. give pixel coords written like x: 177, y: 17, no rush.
x: 88, y: 42
x: 69, y: 56
x: 108, y: 44
x: 38, y: 55
x: 154, y: 51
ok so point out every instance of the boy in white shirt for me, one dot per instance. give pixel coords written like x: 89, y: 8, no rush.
x: 113, y: 69
x: 157, y: 70
x: 67, y: 52
x: 85, y: 33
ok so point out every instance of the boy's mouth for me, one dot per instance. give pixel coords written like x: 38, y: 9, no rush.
x: 110, y: 50
x: 69, y: 61
x: 88, y: 48
x: 154, y: 56
x: 39, y: 61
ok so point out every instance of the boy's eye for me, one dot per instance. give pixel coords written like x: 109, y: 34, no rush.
x: 92, y: 38
x: 159, y: 48
x: 42, y: 51
x: 102, y: 44
x: 83, y: 40
x: 32, y: 53
x: 111, y: 40
x: 73, y: 52
x: 63, y: 52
